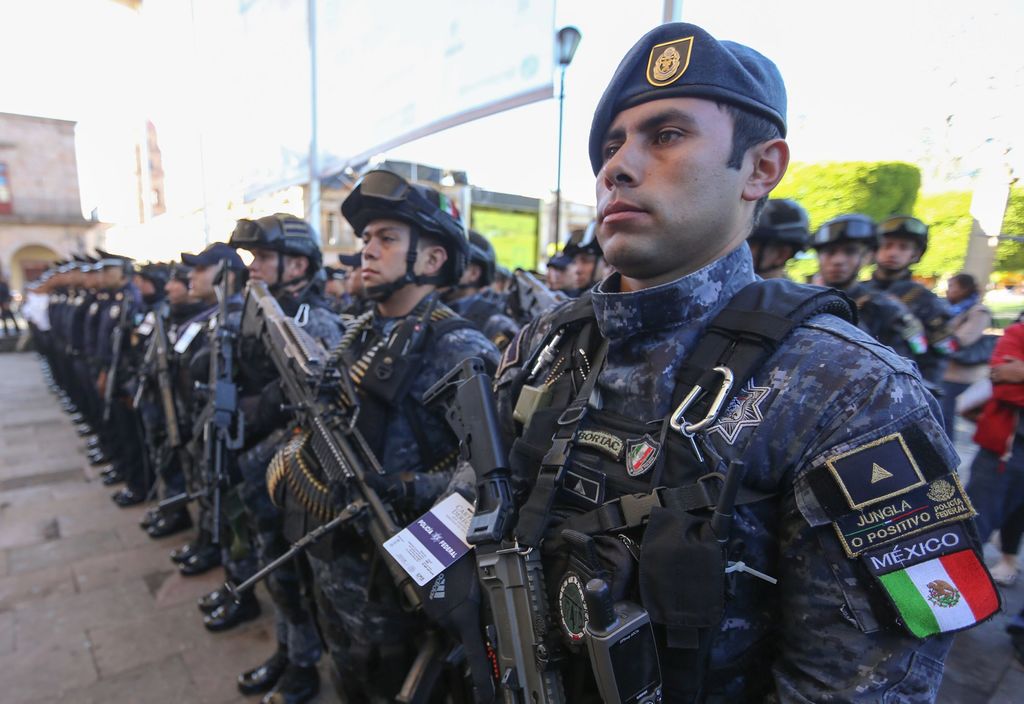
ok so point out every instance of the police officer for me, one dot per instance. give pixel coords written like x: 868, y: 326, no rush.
x: 471, y: 297
x: 904, y: 240
x: 846, y: 244
x: 413, y: 244
x: 781, y: 233
x: 287, y: 258
x: 686, y: 143
x: 556, y: 271
x: 585, y: 268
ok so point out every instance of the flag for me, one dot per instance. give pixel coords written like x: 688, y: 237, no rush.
x: 946, y: 594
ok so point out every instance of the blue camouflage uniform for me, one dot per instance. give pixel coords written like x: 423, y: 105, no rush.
x: 368, y: 634
x: 821, y: 633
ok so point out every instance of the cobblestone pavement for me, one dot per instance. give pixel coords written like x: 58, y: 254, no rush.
x: 91, y: 609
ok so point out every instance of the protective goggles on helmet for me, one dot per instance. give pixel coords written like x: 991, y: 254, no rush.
x: 859, y: 228
x: 248, y: 233
x: 403, y: 196
x: 903, y: 225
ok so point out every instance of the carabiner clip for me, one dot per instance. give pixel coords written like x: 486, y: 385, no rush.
x: 678, y: 422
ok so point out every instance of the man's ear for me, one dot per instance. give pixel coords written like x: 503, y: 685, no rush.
x: 432, y: 259
x: 770, y: 160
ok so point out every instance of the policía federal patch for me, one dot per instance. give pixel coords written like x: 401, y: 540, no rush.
x: 885, y: 522
x: 668, y: 61
x: 876, y: 471
x: 936, y: 582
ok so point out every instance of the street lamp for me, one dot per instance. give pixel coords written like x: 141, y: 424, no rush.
x: 568, y: 40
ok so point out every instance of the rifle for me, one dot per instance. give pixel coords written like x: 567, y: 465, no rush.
x: 116, y: 341
x: 321, y: 395
x: 529, y: 298
x: 511, y: 576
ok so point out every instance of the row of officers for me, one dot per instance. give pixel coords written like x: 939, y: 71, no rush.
x: 704, y: 485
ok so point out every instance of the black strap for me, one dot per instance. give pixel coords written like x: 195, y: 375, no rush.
x: 533, y: 517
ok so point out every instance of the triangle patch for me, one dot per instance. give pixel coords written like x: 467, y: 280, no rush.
x: 878, y: 473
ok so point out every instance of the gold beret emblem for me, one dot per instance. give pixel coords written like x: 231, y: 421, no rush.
x: 668, y: 61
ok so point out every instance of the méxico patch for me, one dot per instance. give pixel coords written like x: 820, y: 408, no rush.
x: 641, y: 454
x: 876, y: 471
x: 937, y: 582
x: 937, y: 503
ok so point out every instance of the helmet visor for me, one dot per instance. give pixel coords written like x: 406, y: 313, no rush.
x: 384, y: 185
x: 903, y: 226
x: 853, y: 229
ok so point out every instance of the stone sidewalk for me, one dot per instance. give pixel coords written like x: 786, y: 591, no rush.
x: 91, y: 609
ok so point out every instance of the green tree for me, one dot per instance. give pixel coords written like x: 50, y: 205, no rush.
x: 1010, y: 253
x: 949, y: 226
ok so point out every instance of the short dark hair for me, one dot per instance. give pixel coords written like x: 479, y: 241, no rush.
x: 748, y: 130
x: 966, y: 282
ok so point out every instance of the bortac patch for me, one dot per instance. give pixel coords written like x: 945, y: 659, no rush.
x: 894, y: 520
x: 668, y: 61
x: 572, y: 607
x: 875, y: 472
x: 601, y: 441
x: 641, y: 454
x: 936, y: 582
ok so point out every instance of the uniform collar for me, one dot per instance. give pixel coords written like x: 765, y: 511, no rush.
x: 694, y: 298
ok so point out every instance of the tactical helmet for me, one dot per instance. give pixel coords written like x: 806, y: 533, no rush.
x: 783, y: 221
x: 847, y: 228
x: 281, y: 233
x: 481, y: 252
x: 381, y: 194
x: 588, y: 244
x: 906, y: 227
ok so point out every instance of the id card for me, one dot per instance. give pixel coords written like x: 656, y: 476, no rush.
x: 434, y: 541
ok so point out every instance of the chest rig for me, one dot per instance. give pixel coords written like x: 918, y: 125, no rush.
x: 645, y: 506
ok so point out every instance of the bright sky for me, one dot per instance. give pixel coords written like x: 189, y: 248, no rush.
x: 916, y: 80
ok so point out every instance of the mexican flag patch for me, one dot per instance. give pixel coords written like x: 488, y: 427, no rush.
x: 935, y: 580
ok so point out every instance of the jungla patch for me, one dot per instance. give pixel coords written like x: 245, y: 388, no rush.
x: 876, y: 471
x: 743, y: 412
x: 602, y: 441
x: 887, y: 522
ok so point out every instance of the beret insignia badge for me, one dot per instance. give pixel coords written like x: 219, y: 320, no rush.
x: 668, y: 61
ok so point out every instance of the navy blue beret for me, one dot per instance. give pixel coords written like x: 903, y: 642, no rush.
x: 682, y: 60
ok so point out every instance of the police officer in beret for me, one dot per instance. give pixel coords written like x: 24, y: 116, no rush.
x: 903, y: 241
x: 781, y: 233
x: 555, y: 273
x: 625, y: 457
x: 846, y: 244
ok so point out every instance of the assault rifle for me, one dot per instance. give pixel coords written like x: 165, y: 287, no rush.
x: 529, y: 298
x: 320, y: 394
x: 221, y: 424
x: 156, y: 364
x: 116, y: 341
x: 511, y: 576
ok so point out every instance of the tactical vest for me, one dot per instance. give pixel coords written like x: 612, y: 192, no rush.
x: 615, y: 497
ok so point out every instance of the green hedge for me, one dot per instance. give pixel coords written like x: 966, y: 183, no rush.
x: 1010, y: 254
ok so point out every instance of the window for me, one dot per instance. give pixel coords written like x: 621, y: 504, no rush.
x: 6, y: 199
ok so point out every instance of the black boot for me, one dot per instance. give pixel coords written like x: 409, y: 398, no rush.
x: 297, y: 686
x: 202, y: 560
x: 180, y: 554
x: 265, y: 675
x: 126, y: 497
x: 208, y: 603
x: 149, y: 518
x: 232, y: 613
x: 169, y: 524
x: 112, y: 476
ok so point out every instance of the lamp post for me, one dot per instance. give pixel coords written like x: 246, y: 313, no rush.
x: 568, y: 40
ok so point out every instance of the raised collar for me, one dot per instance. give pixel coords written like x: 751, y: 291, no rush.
x: 693, y: 298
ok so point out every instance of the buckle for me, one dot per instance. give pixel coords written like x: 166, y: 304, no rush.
x: 636, y: 508
x: 711, y: 496
x: 678, y: 421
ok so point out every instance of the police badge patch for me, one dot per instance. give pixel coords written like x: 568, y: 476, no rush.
x: 641, y: 454
x: 668, y: 61
x: 743, y: 412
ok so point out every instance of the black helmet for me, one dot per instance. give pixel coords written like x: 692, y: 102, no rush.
x: 381, y: 194
x: 281, y: 233
x: 588, y: 244
x: 906, y: 227
x: 481, y: 252
x: 847, y: 228
x: 783, y: 221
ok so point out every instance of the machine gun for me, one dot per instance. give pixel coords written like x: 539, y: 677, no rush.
x: 511, y: 576
x: 117, y: 342
x: 324, y: 402
x: 221, y: 424
x: 529, y: 298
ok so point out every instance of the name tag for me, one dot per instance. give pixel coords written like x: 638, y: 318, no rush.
x: 434, y: 541
x: 186, y: 337
x: 146, y: 326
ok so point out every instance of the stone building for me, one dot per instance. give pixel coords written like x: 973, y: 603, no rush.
x: 40, y: 209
